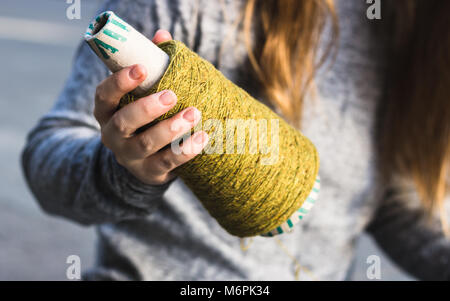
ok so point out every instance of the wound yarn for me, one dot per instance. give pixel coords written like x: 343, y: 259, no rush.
x: 245, y: 196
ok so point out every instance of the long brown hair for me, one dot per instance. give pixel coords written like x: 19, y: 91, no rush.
x: 414, y: 132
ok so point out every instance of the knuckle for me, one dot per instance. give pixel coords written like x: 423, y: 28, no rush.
x: 147, y: 108
x: 145, y: 144
x: 177, y: 125
x: 157, y: 179
x: 120, y: 83
x: 163, y: 178
x: 166, y: 163
x: 100, y: 95
x: 119, y: 124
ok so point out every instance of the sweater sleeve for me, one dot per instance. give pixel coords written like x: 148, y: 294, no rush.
x: 414, y: 241
x: 67, y: 168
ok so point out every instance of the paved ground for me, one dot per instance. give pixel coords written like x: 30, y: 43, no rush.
x: 34, y: 246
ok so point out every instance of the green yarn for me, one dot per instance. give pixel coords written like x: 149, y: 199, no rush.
x: 246, y: 197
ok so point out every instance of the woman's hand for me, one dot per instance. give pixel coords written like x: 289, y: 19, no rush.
x: 141, y: 153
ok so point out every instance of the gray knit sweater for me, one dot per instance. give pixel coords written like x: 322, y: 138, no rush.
x: 163, y: 232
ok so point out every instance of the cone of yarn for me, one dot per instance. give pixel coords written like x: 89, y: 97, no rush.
x: 257, y: 171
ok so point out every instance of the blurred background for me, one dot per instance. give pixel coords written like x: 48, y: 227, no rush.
x: 33, y: 245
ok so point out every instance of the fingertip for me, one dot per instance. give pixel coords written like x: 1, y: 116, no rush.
x: 167, y: 97
x: 196, y: 144
x: 138, y: 72
x: 201, y: 138
x: 161, y: 35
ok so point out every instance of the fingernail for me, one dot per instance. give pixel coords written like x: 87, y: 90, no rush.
x: 199, y: 137
x: 191, y: 115
x: 167, y: 98
x: 136, y: 72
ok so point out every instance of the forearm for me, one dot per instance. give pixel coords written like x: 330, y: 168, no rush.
x: 73, y: 175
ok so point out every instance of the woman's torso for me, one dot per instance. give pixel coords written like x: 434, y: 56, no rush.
x: 181, y: 241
